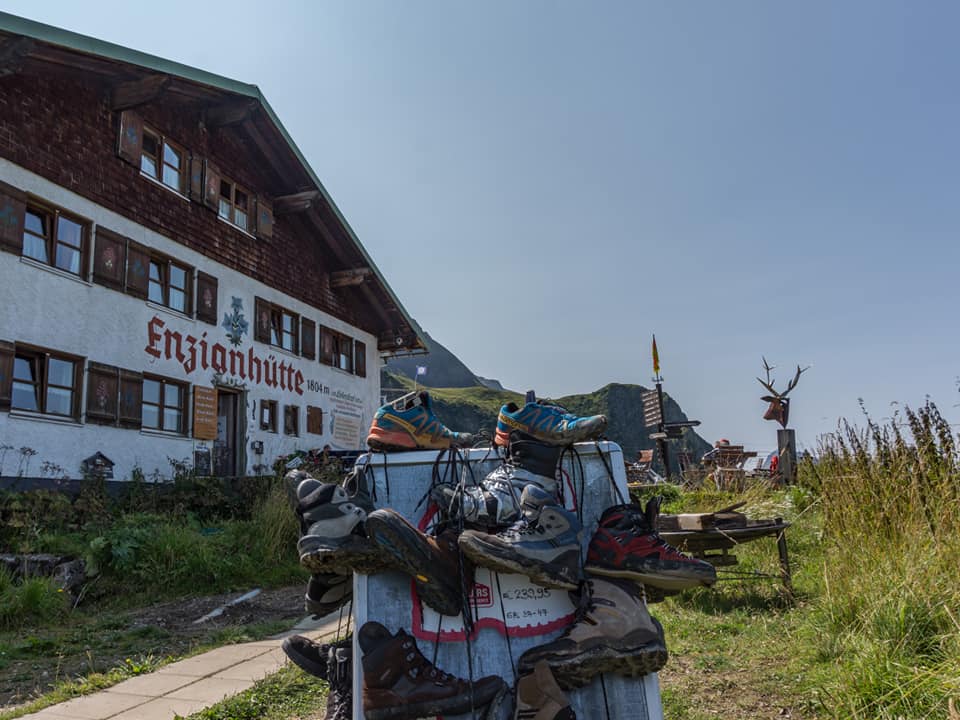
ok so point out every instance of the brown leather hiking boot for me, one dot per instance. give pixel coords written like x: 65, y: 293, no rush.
x: 401, y: 684
x: 433, y: 562
x: 613, y: 632
x: 540, y: 698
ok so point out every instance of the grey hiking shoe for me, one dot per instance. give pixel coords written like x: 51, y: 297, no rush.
x: 495, y: 502
x: 544, y: 544
x: 540, y: 698
x: 613, y: 632
x: 331, y: 519
x: 326, y: 593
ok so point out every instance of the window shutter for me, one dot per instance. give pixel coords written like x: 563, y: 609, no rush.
x: 308, y: 338
x: 291, y: 414
x: 264, y: 219
x: 13, y: 208
x: 261, y: 331
x: 314, y: 420
x: 6, y: 374
x: 327, y: 346
x: 138, y: 270
x: 196, y: 178
x: 360, y: 358
x: 102, y: 393
x: 211, y: 186
x: 109, y: 259
x: 206, y: 298
x: 131, y: 399
x: 130, y: 146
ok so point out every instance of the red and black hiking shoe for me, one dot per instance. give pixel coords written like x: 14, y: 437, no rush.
x: 626, y: 545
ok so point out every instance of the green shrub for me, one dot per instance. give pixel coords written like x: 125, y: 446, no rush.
x: 32, y: 601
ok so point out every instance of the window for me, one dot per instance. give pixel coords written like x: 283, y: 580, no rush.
x: 268, y: 415
x: 169, y: 284
x: 163, y: 405
x: 336, y: 349
x: 163, y: 161
x: 50, y: 236
x: 276, y: 326
x: 283, y: 329
x: 45, y: 383
x: 291, y: 420
x: 234, y: 204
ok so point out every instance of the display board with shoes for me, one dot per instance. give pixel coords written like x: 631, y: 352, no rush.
x: 511, y: 614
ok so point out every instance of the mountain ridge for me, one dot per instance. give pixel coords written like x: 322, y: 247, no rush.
x: 471, y: 403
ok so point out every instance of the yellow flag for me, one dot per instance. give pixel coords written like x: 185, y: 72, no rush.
x: 656, y: 358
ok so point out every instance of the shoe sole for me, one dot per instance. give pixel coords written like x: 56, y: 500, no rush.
x: 355, y: 554
x: 386, y: 440
x: 405, y: 546
x: 303, y: 662
x: 493, y: 557
x: 653, y: 578
x: 456, y: 705
x: 579, y: 670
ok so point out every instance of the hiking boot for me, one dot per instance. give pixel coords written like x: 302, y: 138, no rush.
x: 309, y: 656
x: 540, y: 698
x: 331, y: 520
x: 547, y: 423
x: 613, y: 632
x: 340, y: 679
x: 399, y: 683
x: 544, y: 544
x: 326, y: 593
x: 495, y: 502
x: 408, y: 423
x: 626, y: 544
x: 432, y: 562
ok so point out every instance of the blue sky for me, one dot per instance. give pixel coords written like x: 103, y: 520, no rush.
x: 546, y: 184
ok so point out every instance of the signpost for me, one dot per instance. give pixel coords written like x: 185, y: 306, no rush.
x: 653, y: 415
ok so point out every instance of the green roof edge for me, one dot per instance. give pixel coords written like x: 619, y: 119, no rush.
x: 84, y: 43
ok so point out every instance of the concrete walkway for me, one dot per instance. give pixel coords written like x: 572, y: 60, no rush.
x: 187, y: 686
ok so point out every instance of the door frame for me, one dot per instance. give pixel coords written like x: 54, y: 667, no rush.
x: 240, y: 432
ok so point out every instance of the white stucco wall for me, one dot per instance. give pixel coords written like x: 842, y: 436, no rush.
x: 43, y: 307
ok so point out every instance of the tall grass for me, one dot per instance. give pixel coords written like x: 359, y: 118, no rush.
x: 889, y: 616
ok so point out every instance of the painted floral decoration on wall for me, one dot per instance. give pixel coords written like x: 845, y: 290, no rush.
x: 235, y: 323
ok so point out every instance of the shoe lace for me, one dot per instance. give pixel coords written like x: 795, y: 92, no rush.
x: 419, y: 665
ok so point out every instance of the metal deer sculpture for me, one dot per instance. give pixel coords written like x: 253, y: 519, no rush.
x: 779, y: 408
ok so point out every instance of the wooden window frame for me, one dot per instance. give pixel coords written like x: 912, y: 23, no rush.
x: 277, y: 315
x: 344, y: 341
x: 52, y: 215
x: 291, y: 411
x: 159, y: 161
x: 230, y: 214
x: 164, y: 265
x: 270, y: 424
x: 162, y: 406
x: 42, y: 383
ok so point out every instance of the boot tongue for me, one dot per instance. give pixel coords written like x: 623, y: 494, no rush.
x: 533, y: 500
x: 652, y: 511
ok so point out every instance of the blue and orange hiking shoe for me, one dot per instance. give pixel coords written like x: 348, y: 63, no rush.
x: 547, y: 423
x: 408, y: 423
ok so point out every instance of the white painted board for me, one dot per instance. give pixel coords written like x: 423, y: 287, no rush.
x: 387, y: 597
